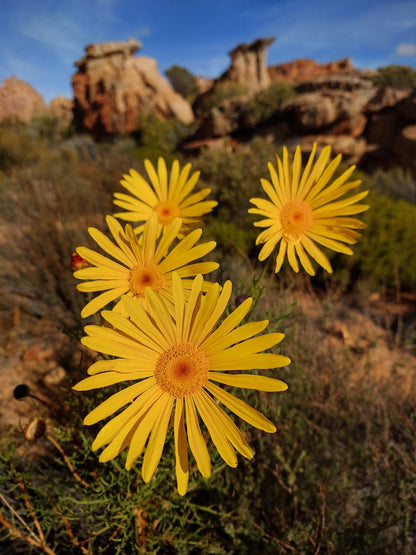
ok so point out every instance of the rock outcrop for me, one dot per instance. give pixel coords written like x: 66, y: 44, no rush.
x: 62, y: 108
x: 303, y: 69
x: 18, y: 100
x: 367, y: 125
x: 111, y: 88
x: 248, y: 65
x: 248, y: 68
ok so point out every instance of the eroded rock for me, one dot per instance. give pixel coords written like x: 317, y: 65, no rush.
x: 18, y: 100
x: 112, y: 88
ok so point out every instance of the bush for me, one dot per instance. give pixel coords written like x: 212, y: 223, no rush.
x: 395, y: 76
x: 234, y: 177
x: 386, y: 253
x: 157, y: 137
x: 225, y: 90
x: 266, y: 102
x: 397, y: 183
x: 183, y: 81
x: 18, y: 146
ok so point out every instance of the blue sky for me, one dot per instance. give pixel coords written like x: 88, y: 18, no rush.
x: 40, y: 40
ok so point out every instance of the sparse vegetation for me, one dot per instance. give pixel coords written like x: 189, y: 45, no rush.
x: 338, y: 477
x: 266, y: 103
x: 226, y: 90
x: 395, y: 76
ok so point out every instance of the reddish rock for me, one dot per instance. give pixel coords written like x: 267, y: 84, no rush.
x: 19, y: 100
x: 111, y: 88
x: 304, y: 69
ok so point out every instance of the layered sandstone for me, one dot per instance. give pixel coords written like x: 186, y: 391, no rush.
x: 18, y: 100
x: 304, y: 69
x: 112, y: 88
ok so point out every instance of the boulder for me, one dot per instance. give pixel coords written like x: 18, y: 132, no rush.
x: 352, y: 149
x: 18, y: 100
x: 312, y: 111
x: 387, y: 98
x: 111, y: 88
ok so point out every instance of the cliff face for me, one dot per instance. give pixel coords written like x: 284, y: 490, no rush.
x: 19, y: 100
x: 303, y: 69
x: 111, y: 88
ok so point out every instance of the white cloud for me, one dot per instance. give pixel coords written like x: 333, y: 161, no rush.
x: 406, y: 49
x: 60, y: 33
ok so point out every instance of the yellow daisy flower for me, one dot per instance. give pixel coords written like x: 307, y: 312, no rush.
x: 305, y: 209
x: 172, y: 362
x: 169, y: 198
x: 139, y: 265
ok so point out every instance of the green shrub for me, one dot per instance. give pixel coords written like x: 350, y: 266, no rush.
x: 225, y: 90
x: 183, y: 81
x: 18, y: 146
x: 266, y: 102
x: 386, y: 253
x: 397, y: 183
x: 396, y: 76
x: 161, y: 136
x: 234, y: 177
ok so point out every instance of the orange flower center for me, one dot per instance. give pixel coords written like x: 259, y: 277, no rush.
x: 182, y: 370
x: 167, y: 211
x: 141, y: 277
x: 296, y: 218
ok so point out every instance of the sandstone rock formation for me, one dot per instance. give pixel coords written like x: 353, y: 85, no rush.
x: 248, y: 65
x: 303, y: 69
x: 367, y: 125
x: 111, y: 88
x: 248, y: 68
x: 18, y: 100
x: 335, y: 104
x: 62, y: 108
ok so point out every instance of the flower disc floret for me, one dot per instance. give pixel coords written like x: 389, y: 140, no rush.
x: 296, y: 218
x: 182, y: 370
x: 149, y: 275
